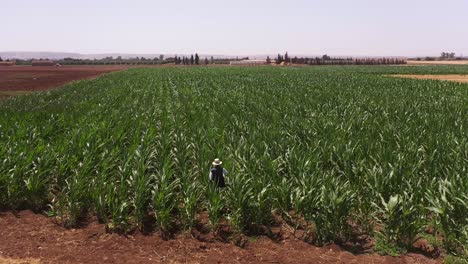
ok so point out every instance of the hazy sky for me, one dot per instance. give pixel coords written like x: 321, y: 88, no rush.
x: 335, y: 27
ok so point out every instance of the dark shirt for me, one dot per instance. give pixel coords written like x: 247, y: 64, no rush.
x: 217, y: 175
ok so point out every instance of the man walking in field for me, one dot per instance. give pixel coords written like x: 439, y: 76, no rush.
x: 217, y: 173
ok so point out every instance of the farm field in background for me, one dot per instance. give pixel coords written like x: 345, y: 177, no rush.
x: 447, y: 77
x: 338, y: 154
x: 27, y: 78
x: 452, y: 62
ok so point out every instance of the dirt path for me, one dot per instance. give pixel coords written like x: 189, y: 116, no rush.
x: 446, y: 77
x: 30, y: 238
x: 454, y: 62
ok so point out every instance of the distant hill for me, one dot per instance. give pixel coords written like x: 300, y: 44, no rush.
x: 26, y: 55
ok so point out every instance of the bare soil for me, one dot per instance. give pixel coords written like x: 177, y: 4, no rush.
x: 28, y: 78
x: 446, y: 77
x: 33, y: 238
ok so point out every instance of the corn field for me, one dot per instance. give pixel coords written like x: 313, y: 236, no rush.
x: 343, y: 149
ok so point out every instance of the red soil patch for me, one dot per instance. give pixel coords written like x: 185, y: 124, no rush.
x: 28, y: 236
x: 26, y: 78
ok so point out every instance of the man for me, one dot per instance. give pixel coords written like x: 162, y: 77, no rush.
x: 217, y: 173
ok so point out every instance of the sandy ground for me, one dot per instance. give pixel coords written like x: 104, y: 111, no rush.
x: 19, y: 261
x: 458, y: 62
x: 446, y: 77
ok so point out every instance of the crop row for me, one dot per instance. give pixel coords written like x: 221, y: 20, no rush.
x: 340, y: 149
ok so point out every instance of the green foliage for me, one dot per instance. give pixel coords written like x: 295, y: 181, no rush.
x: 165, y: 197
x: 327, y: 147
x: 384, y: 247
x: 432, y: 240
x: 238, y: 199
x: 449, y: 202
x: 192, y: 194
x: 402, y: 219
x: 450, y: 259
x: 214, y: 206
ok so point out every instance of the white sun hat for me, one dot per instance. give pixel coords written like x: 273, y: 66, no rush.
x: 217, y: 162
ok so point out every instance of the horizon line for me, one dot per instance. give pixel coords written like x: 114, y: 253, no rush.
x: 218, y: 54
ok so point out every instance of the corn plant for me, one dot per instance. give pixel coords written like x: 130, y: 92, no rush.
x: 214, y: 206
x: 450, y: 204
x: 402, y: 219
x: 140, y: 182
x: 192, y: 194
x: 165, y: 198
x: 71, y: 203
x: 239, y: 195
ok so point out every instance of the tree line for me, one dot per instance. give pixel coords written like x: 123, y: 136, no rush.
x: 443, y: 56
x: 195, y: 59
x: 447, y: 55
x: 327, y: 60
